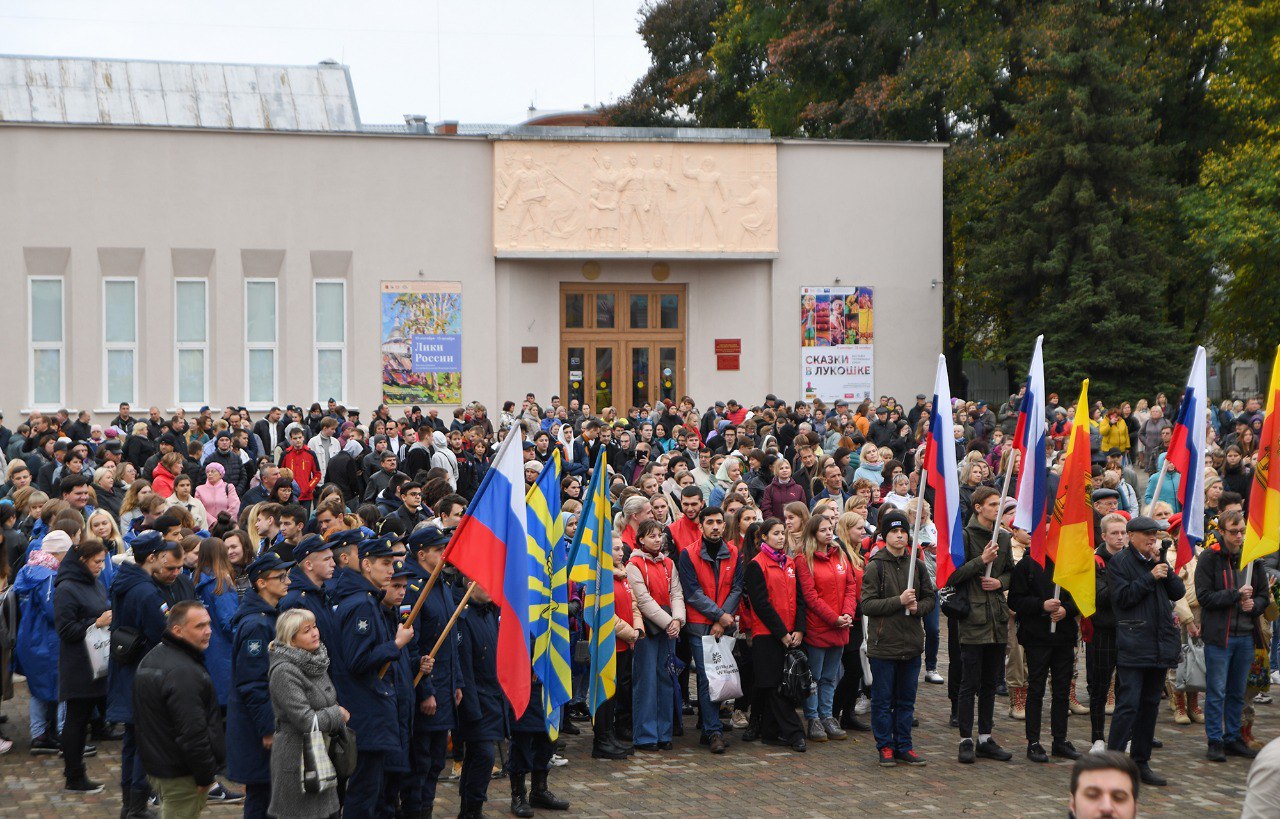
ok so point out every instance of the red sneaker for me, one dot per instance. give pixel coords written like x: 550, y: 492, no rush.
x: 910, y: 757
x: 886, y: 758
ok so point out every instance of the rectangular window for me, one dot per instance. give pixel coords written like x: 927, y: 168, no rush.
x: 120, y: 340
x: 46, y: 342
x: 260, y: 333
x: 331, y: 340
x: 191, y: 334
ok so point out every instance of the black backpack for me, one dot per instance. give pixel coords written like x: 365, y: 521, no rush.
x: 797, y: 678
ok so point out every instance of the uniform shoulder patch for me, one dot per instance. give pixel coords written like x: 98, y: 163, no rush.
x: 362, y: 626
x: 255, y: 648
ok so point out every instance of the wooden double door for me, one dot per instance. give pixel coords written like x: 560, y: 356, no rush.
x: 622, y: 345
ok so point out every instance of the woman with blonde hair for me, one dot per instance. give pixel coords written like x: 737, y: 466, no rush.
x: 302, y: 697
x: 830, y: 586
x: 794, y: 516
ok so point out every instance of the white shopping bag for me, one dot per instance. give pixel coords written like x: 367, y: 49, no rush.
x: 97, y: 641
x: 723, y: 680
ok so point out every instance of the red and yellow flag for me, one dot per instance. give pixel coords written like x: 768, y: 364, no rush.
x: 1070, y: 541
x: 1262, y: 537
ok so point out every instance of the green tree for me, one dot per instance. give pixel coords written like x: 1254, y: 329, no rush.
x: 1073, y: 238
x: 1236, y: 212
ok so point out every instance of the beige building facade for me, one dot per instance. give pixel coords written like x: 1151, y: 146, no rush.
x: 188, y: 266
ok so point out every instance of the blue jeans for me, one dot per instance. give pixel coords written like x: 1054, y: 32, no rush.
x: 1226, y: 676
x: 40, y: 712
x: 651, y: 692
x: 708, y: 711
x: 825, y: 665
x: 931, y: 631
x: 893, y: 701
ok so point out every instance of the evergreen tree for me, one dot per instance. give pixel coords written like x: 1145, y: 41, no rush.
x: 1074, y: 241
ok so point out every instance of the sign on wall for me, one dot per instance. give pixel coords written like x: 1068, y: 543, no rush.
x: 421, y: 342
x: 836, y: 343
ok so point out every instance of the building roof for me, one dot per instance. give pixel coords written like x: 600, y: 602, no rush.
x: 66, y: 90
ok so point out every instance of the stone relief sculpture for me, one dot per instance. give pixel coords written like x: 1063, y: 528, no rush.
x: 636, y: 197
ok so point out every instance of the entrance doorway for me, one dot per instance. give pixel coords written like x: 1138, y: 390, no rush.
x: 621, y: 345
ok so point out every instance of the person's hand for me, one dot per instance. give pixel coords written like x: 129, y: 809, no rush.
x: 795, y: 637
x: 266, y: 741
x: 1058, y: 614
x: 104, y: 619
x: 428, y: 663
x: 346, y: 715
x: 1161, y: 571
x: 990, y: 553
x: 673, y: 628
x: 717, y: 631
x: 1247, y: 604
x: 1246, y: 592
x: 1052, y: 605
x: 457, y: 696
x: 428, y: 706
x: 990, y: 583
x: 1193, y: 630
x: 726, y: 619
x: 908, y: 597
x: 403, y: 635
x: 844, y: 621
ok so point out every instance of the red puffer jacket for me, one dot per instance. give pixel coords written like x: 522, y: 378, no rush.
x: 831, y: 588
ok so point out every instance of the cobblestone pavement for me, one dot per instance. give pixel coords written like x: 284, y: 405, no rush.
x: 834, y: 779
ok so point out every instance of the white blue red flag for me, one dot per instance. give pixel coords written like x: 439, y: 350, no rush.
x: 1186, y: 453
x: 1029, y: 441
x: 940, y: 462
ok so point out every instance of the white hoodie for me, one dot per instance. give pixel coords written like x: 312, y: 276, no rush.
x: 444, y: 458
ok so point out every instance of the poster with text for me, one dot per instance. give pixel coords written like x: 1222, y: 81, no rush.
x: 836, y: 349
x: 421, y: 342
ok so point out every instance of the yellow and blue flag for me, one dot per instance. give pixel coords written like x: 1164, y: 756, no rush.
x: 591, y: 566
x: 549, y: 593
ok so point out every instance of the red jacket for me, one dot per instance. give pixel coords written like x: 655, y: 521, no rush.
x: 306, y: 470
x: 162, y: 481
x: 780, y: 588
x: 831, y: 588
x: 622, y: 608
x: 685, y: 532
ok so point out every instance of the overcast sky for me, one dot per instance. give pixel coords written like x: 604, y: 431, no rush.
x: 469, y: 60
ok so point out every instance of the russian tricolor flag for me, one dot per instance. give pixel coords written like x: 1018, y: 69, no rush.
x: 490, y: 547
x: 1186, y: 453
x: 1029, y: 441
x: 940, y: 463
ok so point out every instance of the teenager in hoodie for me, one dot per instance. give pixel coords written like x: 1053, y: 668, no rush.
x: 444, y: 457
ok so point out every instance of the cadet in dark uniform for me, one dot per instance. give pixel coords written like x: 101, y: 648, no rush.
x: 251, y: 724
x: 397, y: 766
x: 439, y: 692
x: 345, y: 547
x: 368, y: 643
x: 307, y: 580
x: 482, y: 713
x: 530, y: 753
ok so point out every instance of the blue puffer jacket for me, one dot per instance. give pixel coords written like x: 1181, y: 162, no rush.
x: 222, y: 611
x: 249, y: 714
x: 138, y: 603
x: 37, y: 647
x: 1145, y: 634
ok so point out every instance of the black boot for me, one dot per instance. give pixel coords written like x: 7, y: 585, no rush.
x: 471, y: 810
x: 540, y: 797
x: 138, y: 807
x: 124, y: 803
x: 519, y: 798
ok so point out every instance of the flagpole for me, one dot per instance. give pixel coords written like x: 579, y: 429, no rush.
x: 417, y: 604
x: 1057, y: 594
x: 462, y: 604
x: 915, y: 535
x: 1004, y: 493
x: 1155, y: 496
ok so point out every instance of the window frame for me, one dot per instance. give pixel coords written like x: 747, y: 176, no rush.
x: 60, y: 346
x: 179, y: 346
x: 328, y: 346
x: 116, y: 346
x: 257, y: 346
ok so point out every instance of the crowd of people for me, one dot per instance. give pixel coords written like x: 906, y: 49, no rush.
x: 215, y: 593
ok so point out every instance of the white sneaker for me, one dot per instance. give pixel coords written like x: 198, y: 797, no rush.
x: 933, y: 677
x: 1098, y: 747
x: 863, y: 707
x: 1263, y: 699
x: 6, y: 745
x: 739, y: 720
x: 558, y: 761
x: 1275, y: 677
